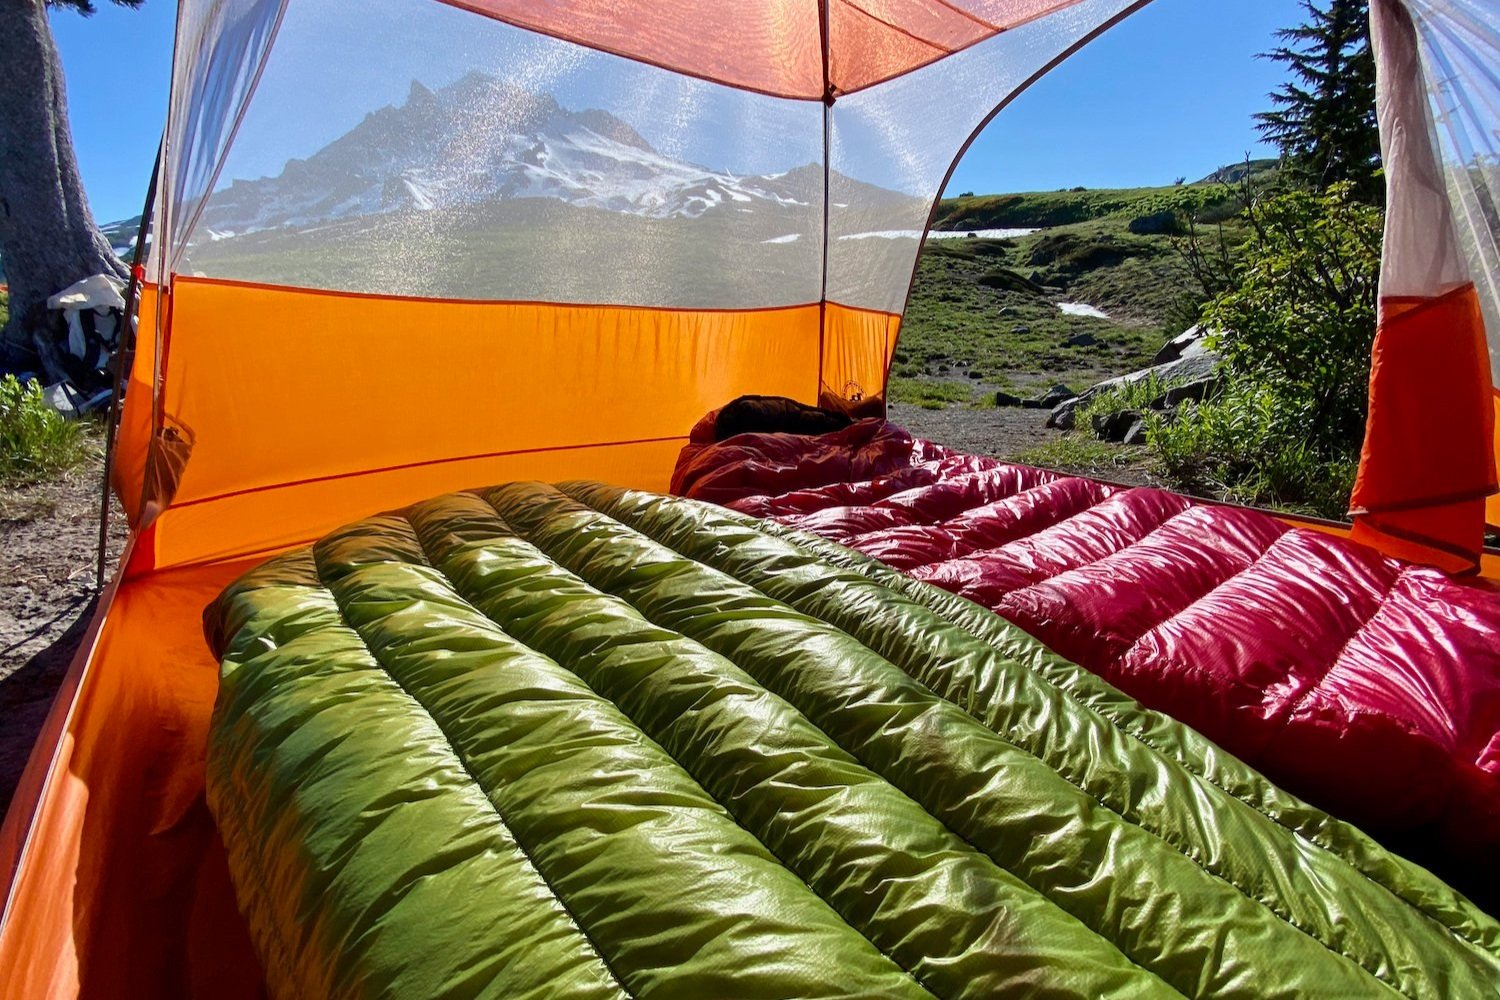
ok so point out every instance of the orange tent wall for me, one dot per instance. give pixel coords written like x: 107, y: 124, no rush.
x: 133, y: 435
x: 305, y: 410
x: 1492, y: 505
x: 1422, y: 485
x: 299, y: 410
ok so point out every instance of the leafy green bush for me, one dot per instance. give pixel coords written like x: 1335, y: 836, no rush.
x: 35, y: 440
x: 1288, y: 427
x: 1241, y: 448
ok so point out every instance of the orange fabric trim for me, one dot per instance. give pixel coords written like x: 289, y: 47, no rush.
x: 1428, y: 460
x: 422, y: 465
x: 1492, y: 505
x: 1411, y: 537
x: 262, y: 522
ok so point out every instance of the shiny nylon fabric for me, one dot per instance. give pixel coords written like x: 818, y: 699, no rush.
x: 120, y: 889
x: 801, y: 49
x: 306, y: 459
x: 1368, y: 685
x: 673, y: 753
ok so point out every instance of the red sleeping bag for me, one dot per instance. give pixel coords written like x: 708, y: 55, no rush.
x: 1367, y: 685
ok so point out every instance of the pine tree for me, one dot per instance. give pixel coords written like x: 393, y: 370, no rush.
x: 1323, y: 118
x: 48, y: 237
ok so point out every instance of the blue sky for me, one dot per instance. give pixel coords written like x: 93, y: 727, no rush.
x: 1167, y: 93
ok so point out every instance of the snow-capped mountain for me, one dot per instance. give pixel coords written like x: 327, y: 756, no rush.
x: 480, y: 140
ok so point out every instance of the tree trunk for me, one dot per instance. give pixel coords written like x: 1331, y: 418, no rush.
x: 47, y: 233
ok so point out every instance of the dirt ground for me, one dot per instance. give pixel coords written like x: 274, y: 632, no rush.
x: 49, y: 537
x: 998, y: 432
x: 1004, y: 433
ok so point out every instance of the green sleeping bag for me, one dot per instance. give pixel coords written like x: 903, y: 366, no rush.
x: 580, y: 742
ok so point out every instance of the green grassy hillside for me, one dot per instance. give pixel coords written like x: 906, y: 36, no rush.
x: 984, y: 313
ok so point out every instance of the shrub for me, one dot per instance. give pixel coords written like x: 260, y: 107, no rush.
x: 1137, y: 395
x: 1241, y: 448
x: 1288, y: 427
x: 35, y: 440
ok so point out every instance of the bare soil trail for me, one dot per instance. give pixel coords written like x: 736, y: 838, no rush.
x: 49, y: 537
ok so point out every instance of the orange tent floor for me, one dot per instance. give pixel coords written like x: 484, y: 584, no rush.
x: 117, y: 882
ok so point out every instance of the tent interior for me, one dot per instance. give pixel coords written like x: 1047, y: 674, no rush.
x: 611, y: 218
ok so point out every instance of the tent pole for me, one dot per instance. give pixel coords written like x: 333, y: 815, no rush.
x: 124, y: 352
x: 827, y: 170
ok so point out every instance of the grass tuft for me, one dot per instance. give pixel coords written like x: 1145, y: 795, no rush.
x: 36, y: 442
x: 1079, y: 451
x: 930, y: 394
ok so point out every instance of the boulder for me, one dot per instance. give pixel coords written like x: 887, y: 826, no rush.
x: 1115, y: 426
x: 1136, y: 434
x: 1005, y: 278
x: 1082, y: 340
x: 1188, y: 343
x: 1197, y: 373
x: 1164, y: 223
x: 1006, y: 399
x: 1200, y: 365
x: 1197, y: 391
x: 1064, y: 415
x: 1057, y: 394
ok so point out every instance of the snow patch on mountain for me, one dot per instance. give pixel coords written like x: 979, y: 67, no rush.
x: 481, y: 141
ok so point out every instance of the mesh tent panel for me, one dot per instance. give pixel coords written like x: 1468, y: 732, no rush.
x: 1460, y: 47
x: 449, y: 156
x: 891, y: 148
x: 219, y: 51
x: 602, y: 249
